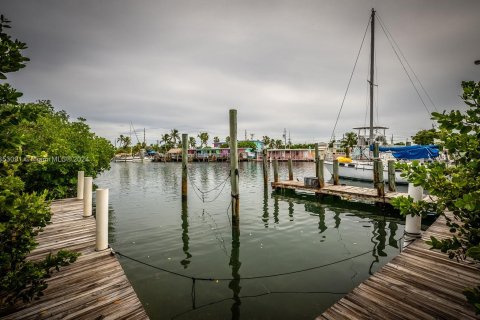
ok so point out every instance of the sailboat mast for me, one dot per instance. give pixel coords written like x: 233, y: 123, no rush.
x: 372, y: 59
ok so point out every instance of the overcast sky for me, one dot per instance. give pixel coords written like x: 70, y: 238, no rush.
x: 282, y: 64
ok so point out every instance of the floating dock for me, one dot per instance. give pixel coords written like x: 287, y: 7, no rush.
x: 417, y: 284
x: 342, y: 191
x: 93, y: 287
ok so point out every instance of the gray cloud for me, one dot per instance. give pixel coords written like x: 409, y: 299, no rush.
x: 283, y: 64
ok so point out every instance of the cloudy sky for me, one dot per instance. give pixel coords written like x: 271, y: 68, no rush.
x: 282, y: 64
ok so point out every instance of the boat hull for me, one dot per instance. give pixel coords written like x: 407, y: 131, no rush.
x: 361, y: 172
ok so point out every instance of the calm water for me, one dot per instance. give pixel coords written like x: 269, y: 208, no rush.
x: 279, y: 233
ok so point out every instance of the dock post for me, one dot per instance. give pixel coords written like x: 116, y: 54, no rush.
x: 376, y: 151
x: 234, y: 168
x: 378, y: 180
x: 275, y: 170
x: 290, y: 169
x: 265, y: 167
x: 80, y: 177
x: 102, y: 219
x: 413, y: 224
x: 392, y: 187
x: 321, y: 176
x: 184, y: 165
x: 317, y: 157
x: 87, y: 196
x: 335, y: 172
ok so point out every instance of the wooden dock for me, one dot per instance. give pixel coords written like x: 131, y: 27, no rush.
x: 417, y: 284
x: 342, y: 191
x: 93, y: 287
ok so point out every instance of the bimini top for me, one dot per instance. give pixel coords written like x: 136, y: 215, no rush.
x: 411, y: 152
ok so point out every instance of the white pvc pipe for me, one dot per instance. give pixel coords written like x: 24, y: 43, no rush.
x: 413, y: 224
x: 87, y: 196
x: 80, y: 185
x: 102, y: 219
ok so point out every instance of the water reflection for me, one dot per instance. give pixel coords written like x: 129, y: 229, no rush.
x: 265, y: 216
x: 235, y: 264
x: 185, y: 238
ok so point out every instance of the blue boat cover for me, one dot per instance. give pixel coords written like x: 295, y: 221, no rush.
x: 411, y: 152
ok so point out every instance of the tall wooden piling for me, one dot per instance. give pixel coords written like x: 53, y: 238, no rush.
x: 321, y: 176
x: 335, y: 172
x: 392, y: 187
x: 378, y: 180
x: 234, y: 168
x: 184, y: 165
x: 265, y: 167
x: 317, y: 157
x: 376, y: 151
x: 290, y: 169
x: 275, y: 170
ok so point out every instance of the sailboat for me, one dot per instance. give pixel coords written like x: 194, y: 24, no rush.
x: 361, y: 167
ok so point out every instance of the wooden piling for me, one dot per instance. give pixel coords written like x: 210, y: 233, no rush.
x: 265, y: 167
x: 335, y: 172
x: 392, y: 187
x: 321, y: 176
x: 376, y: 151
x: 184, y: 165
x: 275, y: 170
x: 234, y: 168
x: 317, y: 170
x: 378, y: 180
x: 290, y: 170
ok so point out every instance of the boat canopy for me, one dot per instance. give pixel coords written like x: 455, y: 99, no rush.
x: 411, y: 152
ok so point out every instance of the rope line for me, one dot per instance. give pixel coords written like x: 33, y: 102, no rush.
x: 406, y: 61
x: 404, y: 68
x: 350, y: 81
x: 203, y: 193
x: 242, y: 278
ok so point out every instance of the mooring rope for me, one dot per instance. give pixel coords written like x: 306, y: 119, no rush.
x: 241, y: 278
x: 203, y: 193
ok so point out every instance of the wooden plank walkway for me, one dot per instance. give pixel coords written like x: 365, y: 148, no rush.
x: 342, y: 191
x: 417, y: 284
x: 94, y: 287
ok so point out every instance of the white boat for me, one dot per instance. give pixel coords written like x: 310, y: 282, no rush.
x: 361, y: 170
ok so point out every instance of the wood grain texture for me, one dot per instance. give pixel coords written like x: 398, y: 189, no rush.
x: 417, y: 284
x: 94, y: 287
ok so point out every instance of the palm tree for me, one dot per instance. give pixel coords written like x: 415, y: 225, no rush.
x: 266, y: 141
x: 227, y: 140
x: 120, y: 140
x: 203, y: 136
x: 216, y: 139
x: 278, y: 144
x: 349, y: 141
x: 192, y: 142
x: 174, y: 136
x: 165, y: 138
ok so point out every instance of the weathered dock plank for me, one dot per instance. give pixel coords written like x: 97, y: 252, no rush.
x: 342, y: 191
x: 94, y: 287
x: 417, y: 284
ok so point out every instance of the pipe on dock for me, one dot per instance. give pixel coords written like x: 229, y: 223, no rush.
x: 80, y: 177
x: 413, y: 224
x: 102, y: 220
x: 87, y: 196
